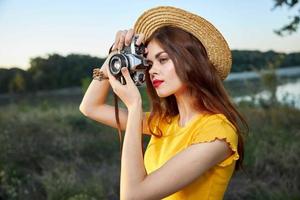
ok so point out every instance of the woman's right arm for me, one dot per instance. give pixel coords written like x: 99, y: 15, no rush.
x: 93, y: 104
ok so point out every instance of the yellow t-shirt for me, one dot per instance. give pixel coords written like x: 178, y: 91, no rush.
x: 213, y: 183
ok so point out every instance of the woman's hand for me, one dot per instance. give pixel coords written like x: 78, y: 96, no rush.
x: 124, y: 38
x: 128, y: 93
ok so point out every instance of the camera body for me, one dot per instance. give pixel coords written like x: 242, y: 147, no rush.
x: 131, y: 57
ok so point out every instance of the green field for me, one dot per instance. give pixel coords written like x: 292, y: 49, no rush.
x: 49, y: 150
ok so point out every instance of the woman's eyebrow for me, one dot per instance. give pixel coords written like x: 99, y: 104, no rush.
x: 156, y: 56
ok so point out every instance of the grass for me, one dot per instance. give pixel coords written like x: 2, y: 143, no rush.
x: 56, y: 153
x: 49, y: 150
x: 272, y: 156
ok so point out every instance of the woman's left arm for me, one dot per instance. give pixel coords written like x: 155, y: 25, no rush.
x: 132, y: 163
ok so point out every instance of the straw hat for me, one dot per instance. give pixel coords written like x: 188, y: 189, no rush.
x: 213, y: 41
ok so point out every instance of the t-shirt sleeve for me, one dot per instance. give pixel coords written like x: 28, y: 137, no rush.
x: 218, y: 127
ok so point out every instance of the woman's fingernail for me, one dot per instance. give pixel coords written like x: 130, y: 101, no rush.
x: 124, y: 69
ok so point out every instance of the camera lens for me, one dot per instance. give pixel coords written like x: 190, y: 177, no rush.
x: 116, y: 65
x: 141, y: 77
x: 116, y: 62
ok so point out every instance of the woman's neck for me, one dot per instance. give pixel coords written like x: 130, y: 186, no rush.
x: 185, y: 108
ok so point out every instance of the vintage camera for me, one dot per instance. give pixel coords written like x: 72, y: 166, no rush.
x: 132, y: 58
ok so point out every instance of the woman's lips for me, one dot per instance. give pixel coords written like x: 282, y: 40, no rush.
x: 156, y: 83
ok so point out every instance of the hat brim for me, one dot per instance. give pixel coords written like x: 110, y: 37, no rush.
x: 216, y: 46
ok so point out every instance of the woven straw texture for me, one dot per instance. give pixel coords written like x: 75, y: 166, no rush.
x: 213, y: 41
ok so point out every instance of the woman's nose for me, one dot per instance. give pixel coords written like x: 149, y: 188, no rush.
x: 153, y: 70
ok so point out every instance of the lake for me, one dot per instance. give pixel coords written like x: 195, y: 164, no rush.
x: 247, y: 86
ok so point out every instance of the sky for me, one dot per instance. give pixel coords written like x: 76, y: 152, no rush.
x: 34, y: 28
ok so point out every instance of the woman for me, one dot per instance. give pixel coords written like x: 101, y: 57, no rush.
x: 196, y: 141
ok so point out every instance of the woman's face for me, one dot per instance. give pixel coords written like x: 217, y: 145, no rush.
x: 162, y: 71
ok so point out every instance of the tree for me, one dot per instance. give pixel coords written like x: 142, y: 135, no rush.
x: 292, y: 26
x: 17, y: 84
x: 56, y: 71
x: 14, y: 80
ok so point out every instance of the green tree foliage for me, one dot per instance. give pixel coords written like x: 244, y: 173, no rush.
x: 57, y: 71
x: 14, y: 80
x: 85, y: 82
x: 291, y: 59
x: 17, y: 84
x: 292, y: 26
x: 256, y: 60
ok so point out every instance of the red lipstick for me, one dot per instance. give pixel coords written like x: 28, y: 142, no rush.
x: 156, y: 83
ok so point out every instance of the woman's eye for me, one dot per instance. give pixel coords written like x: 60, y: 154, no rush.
x: 149, y: 65
x: 163, y: 60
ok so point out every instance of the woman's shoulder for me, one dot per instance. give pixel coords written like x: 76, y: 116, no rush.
x: 217, y: 126
x: 215, y: 121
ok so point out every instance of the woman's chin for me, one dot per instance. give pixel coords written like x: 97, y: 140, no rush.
x: 162, y: 94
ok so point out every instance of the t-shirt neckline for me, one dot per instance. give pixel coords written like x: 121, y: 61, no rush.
x: 193, y: 119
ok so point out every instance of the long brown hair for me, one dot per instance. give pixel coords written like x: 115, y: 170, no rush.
x: 200, y: 76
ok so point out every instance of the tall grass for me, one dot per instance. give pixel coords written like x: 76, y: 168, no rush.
x: 56, y: 153
x: 272, y: 156
x: 49, y: 150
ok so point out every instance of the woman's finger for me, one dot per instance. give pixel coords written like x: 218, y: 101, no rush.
x: 128, y: 37
x: 117, y: 38
x: 140, y: 39
x: 146, y: 50
x: 122, y: 40
x: 126, y: 75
